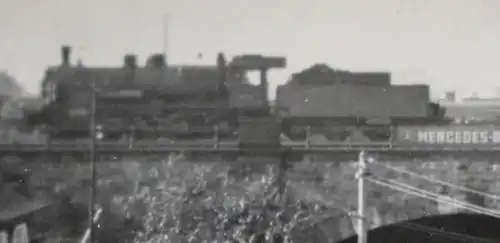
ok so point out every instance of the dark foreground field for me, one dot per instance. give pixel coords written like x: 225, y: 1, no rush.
x: 147, y: 199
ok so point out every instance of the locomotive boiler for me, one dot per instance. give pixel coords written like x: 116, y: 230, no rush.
x: 154, y: 101
x: 326, y: 105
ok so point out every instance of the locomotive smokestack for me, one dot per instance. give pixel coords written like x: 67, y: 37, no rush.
x: 159, y: 60
x: 221, y: 84
x: 130, y: 61
x: 65, y: 55
x: 222, y: 69
x: 156, y: 61
x: 264, y: 83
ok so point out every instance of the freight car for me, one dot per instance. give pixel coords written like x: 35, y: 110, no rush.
x: 158, y: 100
x: 336, y: 105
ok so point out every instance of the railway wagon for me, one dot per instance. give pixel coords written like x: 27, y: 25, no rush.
x: 157, y: 100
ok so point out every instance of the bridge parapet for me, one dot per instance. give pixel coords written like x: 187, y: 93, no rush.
x: 331, y: 179
x: 404, y: 139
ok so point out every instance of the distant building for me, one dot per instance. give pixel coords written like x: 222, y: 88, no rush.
x: 471, y: 110
x: 17, y: 108
x: 450, y: 96
x: 9, y: 86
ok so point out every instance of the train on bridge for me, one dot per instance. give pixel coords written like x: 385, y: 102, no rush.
x: 160, y: 101
x: 165, y: 106
x: 161, y: 108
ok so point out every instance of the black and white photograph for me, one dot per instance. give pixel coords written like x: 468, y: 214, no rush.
x: 249, y: 121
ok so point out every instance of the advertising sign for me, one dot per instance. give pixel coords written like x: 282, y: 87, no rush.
x: 456, y: 135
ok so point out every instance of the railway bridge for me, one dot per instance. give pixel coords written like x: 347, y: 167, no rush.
x: 419, y: 172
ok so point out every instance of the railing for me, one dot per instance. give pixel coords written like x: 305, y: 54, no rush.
x: 423, y: 138
x: 234, y: 146
x: 206, y: 143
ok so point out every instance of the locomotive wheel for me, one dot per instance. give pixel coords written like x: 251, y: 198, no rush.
x: 294, y: 133
x: 377, y: 133
x: 336, y: 136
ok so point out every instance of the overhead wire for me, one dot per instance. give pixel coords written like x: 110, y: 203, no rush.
x: 454, y: 201
x: 428, y: 231
x: 488, y: 211
x: 405, y: 188
x: 429, y: 179
x: 402, y: 187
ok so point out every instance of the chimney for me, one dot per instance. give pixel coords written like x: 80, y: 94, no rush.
x: 130, y: 61
x: 65, y: 55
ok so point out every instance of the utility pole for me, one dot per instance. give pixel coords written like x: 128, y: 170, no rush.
x: 362, y: 234
x: 93, y: 158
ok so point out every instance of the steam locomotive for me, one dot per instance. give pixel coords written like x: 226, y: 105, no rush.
x: 159, y: 101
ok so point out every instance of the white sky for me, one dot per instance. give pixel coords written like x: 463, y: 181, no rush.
x: 450, y: 44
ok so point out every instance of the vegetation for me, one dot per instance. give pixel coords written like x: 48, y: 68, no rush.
x: 9, y: 86
x: 147, y: 199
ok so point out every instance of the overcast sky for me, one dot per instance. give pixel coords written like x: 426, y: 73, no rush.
x: 450, y: 44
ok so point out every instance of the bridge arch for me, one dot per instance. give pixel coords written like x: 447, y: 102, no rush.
x: 456, y: 227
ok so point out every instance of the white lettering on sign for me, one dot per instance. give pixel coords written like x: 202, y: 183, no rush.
x: 496, y: 137
x: 457, y: 137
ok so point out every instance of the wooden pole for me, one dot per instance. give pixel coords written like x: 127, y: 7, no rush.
x: 361, y: 198
x: 93, y: 161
